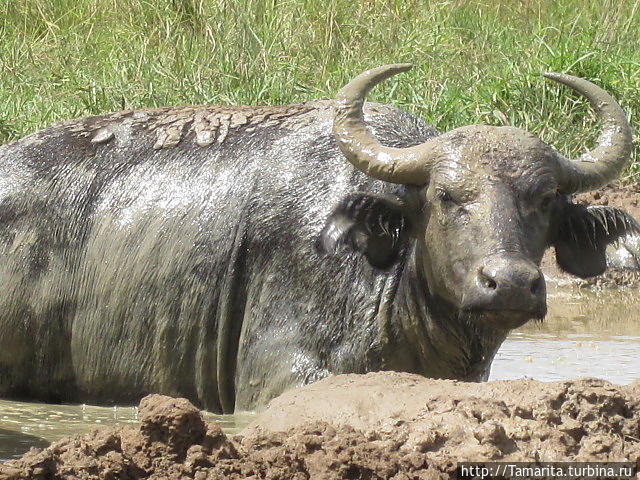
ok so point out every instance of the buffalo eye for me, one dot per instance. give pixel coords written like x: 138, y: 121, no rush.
x: 546, y: 202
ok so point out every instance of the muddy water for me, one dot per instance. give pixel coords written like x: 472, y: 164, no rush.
x: 584, y: 334
x: 24, y: 425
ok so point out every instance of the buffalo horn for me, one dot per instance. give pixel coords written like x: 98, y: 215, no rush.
x: 599, y: 166
x: 397, y: 165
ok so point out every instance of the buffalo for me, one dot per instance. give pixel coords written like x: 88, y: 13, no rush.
x: 226, y: 254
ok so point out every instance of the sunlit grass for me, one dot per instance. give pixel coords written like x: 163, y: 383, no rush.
x: 476, y: 62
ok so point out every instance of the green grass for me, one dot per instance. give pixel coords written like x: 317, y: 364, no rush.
x: 476, y: 61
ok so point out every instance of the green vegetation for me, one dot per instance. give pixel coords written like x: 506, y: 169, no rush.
x: 476, y: 61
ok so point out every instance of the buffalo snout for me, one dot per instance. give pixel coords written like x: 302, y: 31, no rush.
x: 507, y: 289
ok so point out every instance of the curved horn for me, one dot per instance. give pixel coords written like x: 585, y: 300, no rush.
x: 605, y: 162
x: 397, y: 165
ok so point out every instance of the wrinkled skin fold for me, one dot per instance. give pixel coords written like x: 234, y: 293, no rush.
x: 225, y: 254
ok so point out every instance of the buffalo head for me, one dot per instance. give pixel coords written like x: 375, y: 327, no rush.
x: 482, y: 204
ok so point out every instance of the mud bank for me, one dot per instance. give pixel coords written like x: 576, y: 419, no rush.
x: 616, y: 194
x: 379, y: 425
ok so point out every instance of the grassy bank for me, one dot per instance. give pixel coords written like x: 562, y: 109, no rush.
x: 476, y: 62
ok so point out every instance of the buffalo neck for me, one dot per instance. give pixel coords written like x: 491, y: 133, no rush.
x: 427, y: 335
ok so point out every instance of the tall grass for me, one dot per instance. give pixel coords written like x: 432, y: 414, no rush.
x: 476, y: 61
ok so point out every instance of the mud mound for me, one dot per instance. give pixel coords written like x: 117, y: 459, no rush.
x: 619, y: 195
x: 516, y: 420
x: 172, y: 439
x: 379, y: 425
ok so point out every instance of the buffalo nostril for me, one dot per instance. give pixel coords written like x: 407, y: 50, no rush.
x: 486, y: 281
x: 536, y: 285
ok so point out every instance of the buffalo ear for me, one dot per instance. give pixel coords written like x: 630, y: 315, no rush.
x: 374, y: 225
x: 585, y: 232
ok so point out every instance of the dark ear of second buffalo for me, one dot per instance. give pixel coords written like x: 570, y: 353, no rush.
x: 371, y: 224
x: 583, y: 234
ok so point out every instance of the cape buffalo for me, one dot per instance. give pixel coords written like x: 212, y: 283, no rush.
x: 226, y: 254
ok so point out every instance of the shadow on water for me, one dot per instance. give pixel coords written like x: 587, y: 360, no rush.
x: 14, y: 444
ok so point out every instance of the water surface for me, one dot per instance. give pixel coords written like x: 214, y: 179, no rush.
x: 585, y: 334
x: 24, y: 424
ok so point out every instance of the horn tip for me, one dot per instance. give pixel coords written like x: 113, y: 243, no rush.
x: 552, y: 75
x: 404, y: 66
x: 563, y: 78
x: 395, y: 68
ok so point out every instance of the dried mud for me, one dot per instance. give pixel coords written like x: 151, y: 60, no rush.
x: 625, y: 196
x: 376, y: 426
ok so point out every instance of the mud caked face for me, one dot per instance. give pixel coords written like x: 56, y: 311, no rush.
x: 490, y: 200
x: 487, y: 212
